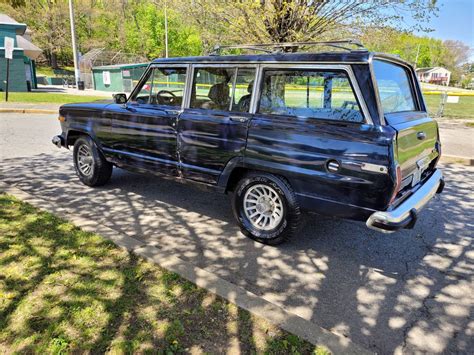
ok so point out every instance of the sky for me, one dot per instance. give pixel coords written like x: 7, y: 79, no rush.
x: 455, y: 21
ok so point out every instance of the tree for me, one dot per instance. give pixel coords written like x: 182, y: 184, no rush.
x: 302, y: 20
x: 49, y: 19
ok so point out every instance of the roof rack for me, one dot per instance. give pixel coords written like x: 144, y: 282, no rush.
x: 278, y: 47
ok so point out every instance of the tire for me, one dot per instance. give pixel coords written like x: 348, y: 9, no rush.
x: 100, y: 169
x: 281, y: 216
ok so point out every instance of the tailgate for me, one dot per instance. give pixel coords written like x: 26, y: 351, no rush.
x: 417, y: 148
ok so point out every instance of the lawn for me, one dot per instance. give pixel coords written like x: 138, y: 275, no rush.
x: 463, y: 109
x: 63, y: 290
x: 48, y: 98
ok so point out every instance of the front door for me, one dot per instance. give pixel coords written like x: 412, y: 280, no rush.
x: 213, y: 130
x: 144, y: 134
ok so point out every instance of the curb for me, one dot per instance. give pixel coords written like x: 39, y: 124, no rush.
x: 256, y: 305
x: 454, y: 159
x: 26, y: 110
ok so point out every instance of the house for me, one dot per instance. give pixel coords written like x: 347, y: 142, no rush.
x: 22, y: 66
x: 436, y: 75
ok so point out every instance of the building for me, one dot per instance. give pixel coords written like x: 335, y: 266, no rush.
x: 22, y: 66
x: 436, y: 75
x: 117, y: 78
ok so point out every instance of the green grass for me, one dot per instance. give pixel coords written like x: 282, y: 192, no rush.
x: 63, y: 290
x: 463, y: 109
x: 48, y: 98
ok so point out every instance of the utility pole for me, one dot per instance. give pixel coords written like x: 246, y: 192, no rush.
x: 74, y: 47
x: 417, y: 54
x: 166, y: 29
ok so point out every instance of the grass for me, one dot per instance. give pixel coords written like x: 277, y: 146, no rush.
x: 63, y: 290
x: 48, y: 98
x: 463, y: 109
x: 48, y: 71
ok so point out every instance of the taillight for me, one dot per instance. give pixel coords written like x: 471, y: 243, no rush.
x: 398, y: 183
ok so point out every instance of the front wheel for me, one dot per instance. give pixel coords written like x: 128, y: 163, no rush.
x: 90, y: 164
x: 266, y: 209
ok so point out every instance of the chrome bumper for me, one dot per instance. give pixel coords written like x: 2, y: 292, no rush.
x: 405, y: 215
x: 58, y: 141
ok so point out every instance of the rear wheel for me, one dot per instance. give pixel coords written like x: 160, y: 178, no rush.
x: 266, y: 209
x: 90, y: 164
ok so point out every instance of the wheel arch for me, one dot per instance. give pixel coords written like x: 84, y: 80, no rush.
x: 236, y: 168
x: 74, y: 134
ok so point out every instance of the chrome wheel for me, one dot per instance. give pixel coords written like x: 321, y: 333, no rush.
x: 263, y: 207
x: 84, y: 160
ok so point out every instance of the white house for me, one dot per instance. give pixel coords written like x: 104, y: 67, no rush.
x: 436, y: 75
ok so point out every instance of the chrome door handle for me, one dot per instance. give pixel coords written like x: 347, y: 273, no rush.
x: 240, y: 119
x: 173, y: 112
x: 421, y: 135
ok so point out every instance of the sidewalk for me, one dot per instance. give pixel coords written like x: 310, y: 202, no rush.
x: 29, y: 108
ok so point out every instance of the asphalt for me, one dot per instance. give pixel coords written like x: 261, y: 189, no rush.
x: 407, y: 292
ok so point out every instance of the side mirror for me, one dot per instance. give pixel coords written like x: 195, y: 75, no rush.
x: 120, y: 98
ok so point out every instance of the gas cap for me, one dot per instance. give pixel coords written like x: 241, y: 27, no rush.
x: 333, y: 165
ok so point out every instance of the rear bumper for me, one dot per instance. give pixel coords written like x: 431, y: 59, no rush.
x: 405, y: 215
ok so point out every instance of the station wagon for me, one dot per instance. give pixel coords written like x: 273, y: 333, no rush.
x: 344, y: 133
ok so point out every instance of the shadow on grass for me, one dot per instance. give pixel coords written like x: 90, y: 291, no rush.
x: 65, y: 290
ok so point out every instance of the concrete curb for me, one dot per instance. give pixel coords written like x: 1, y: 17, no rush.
x: 454, y: 159
x: 244, y: 299
x: 27, y: 110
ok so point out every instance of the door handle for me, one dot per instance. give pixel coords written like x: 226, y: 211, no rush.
x: 173, y: 112
x: 421, y: 135
x: 240, y: 119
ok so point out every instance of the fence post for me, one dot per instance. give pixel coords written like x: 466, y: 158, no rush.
x: 444, y: 98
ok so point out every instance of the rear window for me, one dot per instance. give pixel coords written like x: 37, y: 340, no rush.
x: 395, y: 91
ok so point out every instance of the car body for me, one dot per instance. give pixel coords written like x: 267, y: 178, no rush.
x: 342, y: 133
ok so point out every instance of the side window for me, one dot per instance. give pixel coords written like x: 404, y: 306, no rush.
x: 309, y: 93
x: 243, y: 90
x: 396, y: 94
x: 212, y: 88
x: 222, y: 89
x: 164, y: 86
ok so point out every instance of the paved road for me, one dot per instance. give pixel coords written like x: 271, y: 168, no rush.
x: 410, y: 291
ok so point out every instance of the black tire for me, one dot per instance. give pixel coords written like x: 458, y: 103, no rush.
x: 101, y: 169
x: 289, y: 224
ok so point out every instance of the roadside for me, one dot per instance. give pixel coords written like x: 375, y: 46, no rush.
x: 64, y: 289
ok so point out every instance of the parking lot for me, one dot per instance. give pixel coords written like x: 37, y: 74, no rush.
x: 410, y: 291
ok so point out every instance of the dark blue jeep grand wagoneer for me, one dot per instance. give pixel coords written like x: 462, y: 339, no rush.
x: 344, y: 133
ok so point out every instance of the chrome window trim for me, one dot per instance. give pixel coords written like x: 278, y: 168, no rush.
x: 376, y: 89
x: 343, y: 67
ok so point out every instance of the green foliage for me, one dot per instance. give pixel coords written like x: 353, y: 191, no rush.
x: 146, y: 34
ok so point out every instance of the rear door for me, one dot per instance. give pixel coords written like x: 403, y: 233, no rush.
x: 213, y: 128
x: 417, y: 143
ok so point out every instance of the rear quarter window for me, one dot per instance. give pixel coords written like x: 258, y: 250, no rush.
x: 395, y: 89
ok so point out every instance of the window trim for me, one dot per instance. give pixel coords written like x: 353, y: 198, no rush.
x: 236, y: 66
x: 146, y: 76
x: 347, y: 69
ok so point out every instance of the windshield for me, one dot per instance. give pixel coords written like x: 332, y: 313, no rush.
x: 395, y: 91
